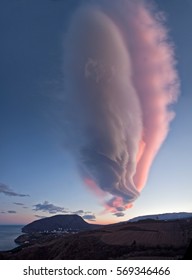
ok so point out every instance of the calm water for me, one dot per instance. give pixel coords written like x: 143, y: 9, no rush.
x: 7, y: 235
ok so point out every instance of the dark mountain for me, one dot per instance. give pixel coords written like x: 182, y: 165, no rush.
x: 59, y: 223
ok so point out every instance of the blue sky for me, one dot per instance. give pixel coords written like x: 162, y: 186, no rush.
x: 37, y: 173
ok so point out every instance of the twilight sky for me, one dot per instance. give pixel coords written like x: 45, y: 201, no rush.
x: 87, y: 94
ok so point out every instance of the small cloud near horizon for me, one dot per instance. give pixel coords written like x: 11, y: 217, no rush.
x: 119, y: 214
x: 49, y: 207
x: 89, y: 217
x: 120, y: 208
x: 78, y: 212
x: 11, y: 212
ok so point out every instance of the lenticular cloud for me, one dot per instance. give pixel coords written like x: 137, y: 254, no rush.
x: 120, y: 81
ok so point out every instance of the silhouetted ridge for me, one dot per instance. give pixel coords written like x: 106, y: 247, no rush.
x: 59, y: 223
x: 163, y: 217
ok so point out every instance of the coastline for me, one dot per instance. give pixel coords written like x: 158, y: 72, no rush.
x: 8, y: 234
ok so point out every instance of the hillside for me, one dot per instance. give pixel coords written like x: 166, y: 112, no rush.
x: 139, y: 240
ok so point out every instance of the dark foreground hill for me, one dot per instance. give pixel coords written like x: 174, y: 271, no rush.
x: 59, y: 223
x: 139, y: 240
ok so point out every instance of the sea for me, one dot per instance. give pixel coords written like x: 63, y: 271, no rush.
x: 7, y: 235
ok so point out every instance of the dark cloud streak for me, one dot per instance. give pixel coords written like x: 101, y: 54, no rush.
x: 11, y: 212
x: 18, y: 203
x: 4, y: 189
